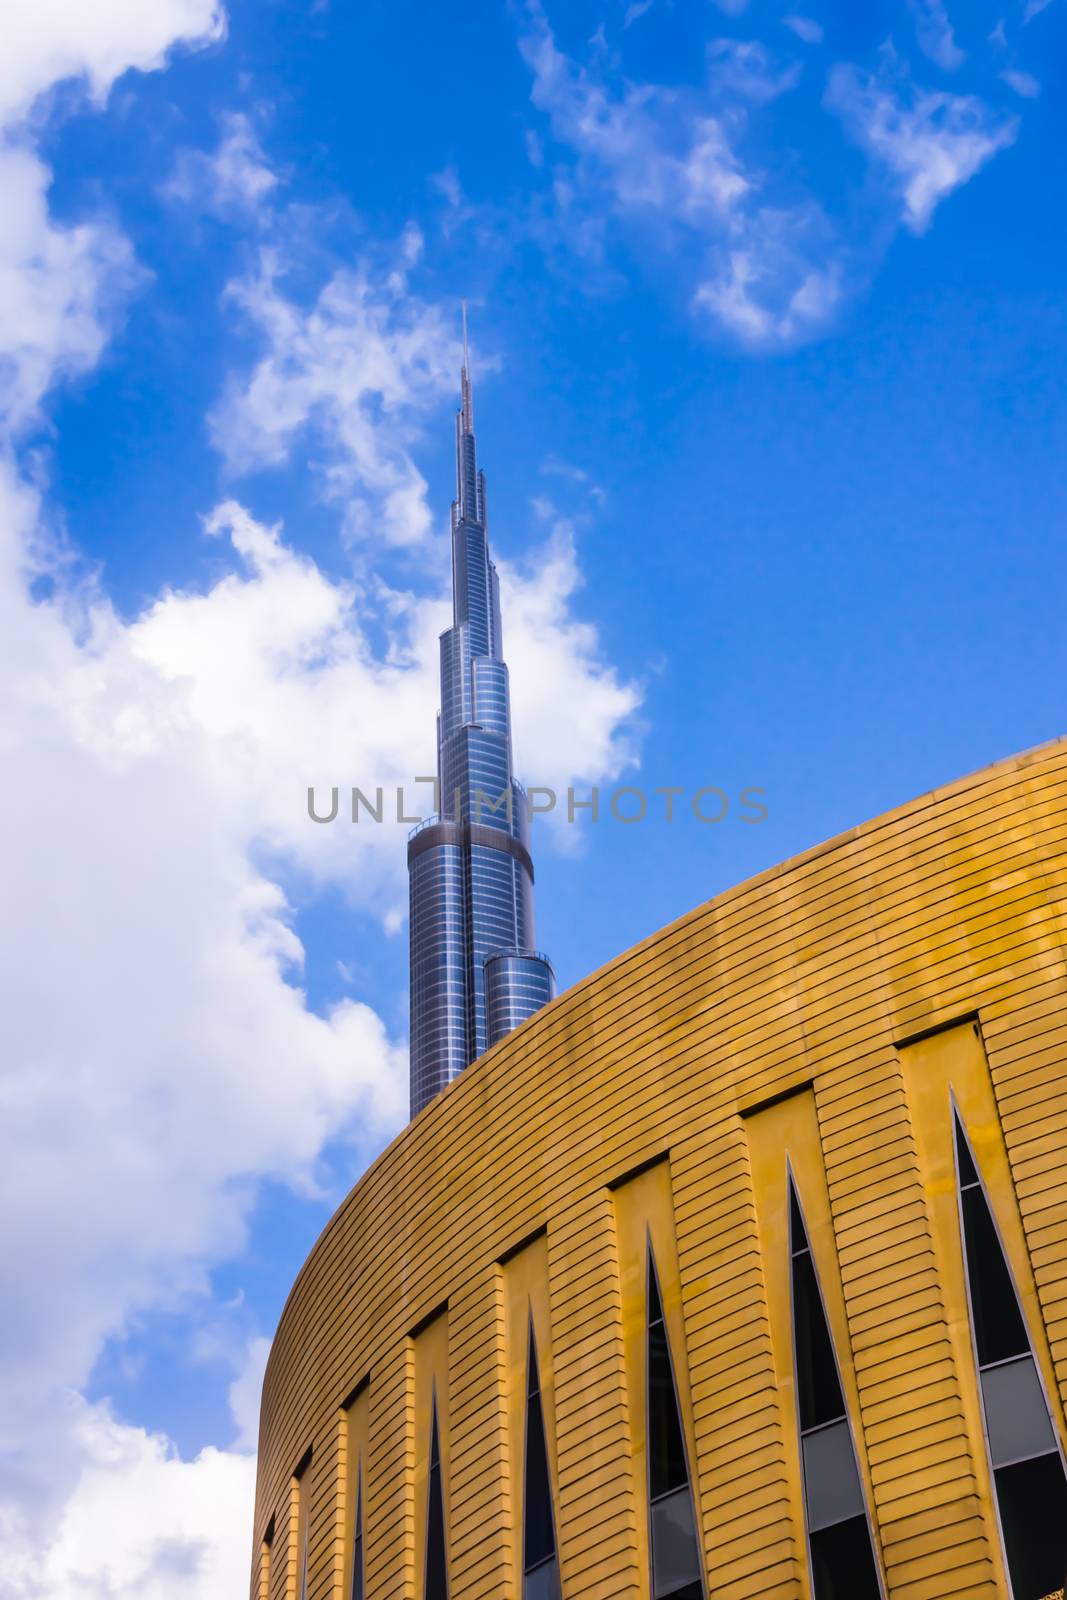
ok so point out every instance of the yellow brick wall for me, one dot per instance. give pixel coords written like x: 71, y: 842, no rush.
x: 817, y: 976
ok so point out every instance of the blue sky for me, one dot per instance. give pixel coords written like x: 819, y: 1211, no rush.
x: 768, y: 340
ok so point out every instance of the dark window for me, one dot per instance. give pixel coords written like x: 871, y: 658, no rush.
x: 818, y: 1385
x: 999, y: 1330
x: 666, y: 1447
x: 1027, y: 1467
x: 842, y: 1562
x: 676, y: 1569
x: 303, y: 1474
x: 539, y: 1564
x: 842, y: 1554
x: 436, y: 1559
x: 357, y: 1542
x: 968, y: 1170
x: 798, y: 1235
x: 1033, y: 1514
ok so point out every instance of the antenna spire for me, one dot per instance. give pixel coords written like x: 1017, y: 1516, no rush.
x: 467, y: 411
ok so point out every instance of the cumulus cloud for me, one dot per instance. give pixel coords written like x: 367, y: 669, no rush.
x: 550, y: 650
x: 61, y: 288
x: 929, y: 142
x: 139, y: 1521
x: 160, y: 1056
x: 356, y: 368
x: 48, y: 41
x: 149, y: 968
x: 236, y: 177
x: 670, y: 164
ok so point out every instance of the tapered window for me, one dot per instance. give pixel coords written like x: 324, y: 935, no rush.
x: 357, y: 1542
x: 303, y: 1524
x: 1024, y: 1453
x: 676, y: 1568
x: 436, y: 1557
x: 264, y: 1561
x: 839, y: 1535
x: 540, y: 1564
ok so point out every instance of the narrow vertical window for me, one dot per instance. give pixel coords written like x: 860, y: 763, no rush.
x: 436, y: 1557
x: 264, y: 1561
x: 357, y: 1540
x: 676, y: 1568
x: 839, y: 1536
x: 302, y: 1509
x: 1024, y: 1453
x: 540, y: 1566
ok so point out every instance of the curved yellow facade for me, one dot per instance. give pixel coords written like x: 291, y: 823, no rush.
x: 821, y: 1029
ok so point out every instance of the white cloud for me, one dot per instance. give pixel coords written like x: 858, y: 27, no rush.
x: 246, y: 1392
x: 47, y: 41
x: 935, y: 35
x: 744, y: 69
x: 805, y: 28
x: 634, y: 11
x: 60, y: 287
x: 1024, y: 83
x: 668, y: 163
x: 737, y: 296
x: 235, y: 178
x: 140, y: 1521
x: 549, y: 652
x: 160, y: 1062
x: 357, y: 368
x: 148, y: 1000
x: 159, y: 1057
x: 930, y: 143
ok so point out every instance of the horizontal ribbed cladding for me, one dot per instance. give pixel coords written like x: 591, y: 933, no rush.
x: 749, y: 1541
x: 1027, y: 1049
x: 593, y: 1466
x: 952, y: 905
x: 479, y: 1514
x: 325, y: 1556
x: 927, y: 1509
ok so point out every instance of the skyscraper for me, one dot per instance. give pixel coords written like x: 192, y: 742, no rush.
x: 475, y: 974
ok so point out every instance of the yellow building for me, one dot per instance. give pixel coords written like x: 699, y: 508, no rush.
x: 739, y: 1270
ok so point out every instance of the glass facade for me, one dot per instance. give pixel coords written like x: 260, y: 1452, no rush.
x: 475, y: 973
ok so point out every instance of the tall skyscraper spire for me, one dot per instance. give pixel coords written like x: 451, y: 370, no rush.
x: 474, y: 972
